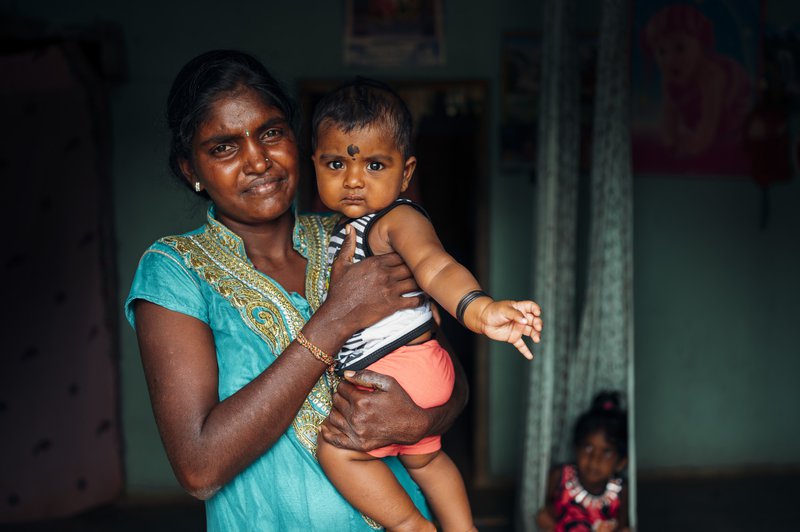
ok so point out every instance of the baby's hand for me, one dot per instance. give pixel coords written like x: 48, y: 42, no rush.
x: 509, y: 321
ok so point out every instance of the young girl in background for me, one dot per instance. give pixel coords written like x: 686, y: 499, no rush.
x: 590, y: 494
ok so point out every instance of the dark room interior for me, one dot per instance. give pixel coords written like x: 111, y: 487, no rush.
x: 713, y: 229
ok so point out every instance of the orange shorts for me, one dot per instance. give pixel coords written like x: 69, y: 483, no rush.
x: 425, y: 371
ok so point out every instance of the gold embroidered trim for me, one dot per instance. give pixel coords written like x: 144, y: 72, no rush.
x: 217, y: 255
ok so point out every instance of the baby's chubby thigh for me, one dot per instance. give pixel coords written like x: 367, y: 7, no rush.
x: 425, y: 371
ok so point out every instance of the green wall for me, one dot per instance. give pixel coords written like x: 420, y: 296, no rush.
x: 714, y: 295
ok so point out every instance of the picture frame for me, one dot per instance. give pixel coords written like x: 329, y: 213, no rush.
x: 394, y: 33
x: 694, y: 76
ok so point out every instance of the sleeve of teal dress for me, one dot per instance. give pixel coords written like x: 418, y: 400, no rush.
x: 162, y: 278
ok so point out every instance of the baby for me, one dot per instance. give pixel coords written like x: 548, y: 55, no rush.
x: 361, y: 142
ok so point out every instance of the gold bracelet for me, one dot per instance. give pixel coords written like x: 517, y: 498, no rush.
x: 318, y: 353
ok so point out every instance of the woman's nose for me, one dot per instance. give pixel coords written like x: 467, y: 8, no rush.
x: 257, y: 160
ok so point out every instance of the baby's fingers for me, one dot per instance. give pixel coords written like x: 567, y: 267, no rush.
x: 528, y: 307
x: 522, y: 348
x: 532, y: 332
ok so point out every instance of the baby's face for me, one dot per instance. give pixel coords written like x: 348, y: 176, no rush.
x: 678, y: 56
x: 359, y: 172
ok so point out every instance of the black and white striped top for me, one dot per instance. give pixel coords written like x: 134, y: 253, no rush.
x: 370, y: 344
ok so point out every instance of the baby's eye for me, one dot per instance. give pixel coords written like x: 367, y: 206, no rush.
x: 335, y: 165
x: 375, y: 166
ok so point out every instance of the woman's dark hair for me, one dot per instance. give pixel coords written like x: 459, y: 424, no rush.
x: 365, y: 102
x: 606, y: 414
x: 205, y: 79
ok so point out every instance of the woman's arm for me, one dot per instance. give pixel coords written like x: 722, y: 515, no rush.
x: 365, y: 420
x: 207, y: 441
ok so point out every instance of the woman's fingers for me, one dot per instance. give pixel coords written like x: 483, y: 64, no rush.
x: 348, y: 246
x: 368, y: 379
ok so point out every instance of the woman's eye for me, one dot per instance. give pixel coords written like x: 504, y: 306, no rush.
x: 221, y: 149
x: 273, y: 133
x: 335, y: 165
x: 375, y: 166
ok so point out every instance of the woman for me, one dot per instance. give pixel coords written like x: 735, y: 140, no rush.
x: 234, y: 359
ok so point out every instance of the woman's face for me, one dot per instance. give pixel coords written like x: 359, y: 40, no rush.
x: 245, y: 156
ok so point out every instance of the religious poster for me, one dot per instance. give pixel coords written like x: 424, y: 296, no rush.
x: 695, y: 72
x: 520, y: 62
x: 394, y: 33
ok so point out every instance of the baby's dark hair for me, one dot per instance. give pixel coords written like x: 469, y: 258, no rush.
x: 606, y: 414
x: 364, y: 102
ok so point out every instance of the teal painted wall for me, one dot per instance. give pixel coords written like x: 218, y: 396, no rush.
x: 716, y: 309
x: 714, y: 296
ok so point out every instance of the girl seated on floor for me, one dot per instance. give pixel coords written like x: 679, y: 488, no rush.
x: 590, y: 494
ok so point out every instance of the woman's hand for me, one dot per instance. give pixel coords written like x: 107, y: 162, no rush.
x: 383, y: 414
x: 363, y: 420
x: 365, y: 292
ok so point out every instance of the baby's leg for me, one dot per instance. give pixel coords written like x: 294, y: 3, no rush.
x: 440, y: 481
x: 369, y: 485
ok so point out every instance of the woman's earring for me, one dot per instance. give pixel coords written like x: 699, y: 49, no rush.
x: 197, y: 186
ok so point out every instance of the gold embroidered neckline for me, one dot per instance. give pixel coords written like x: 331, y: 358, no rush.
x: 218, y: 257
x: 235, y: 244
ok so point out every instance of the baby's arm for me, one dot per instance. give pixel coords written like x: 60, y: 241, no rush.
x: 409, y: 233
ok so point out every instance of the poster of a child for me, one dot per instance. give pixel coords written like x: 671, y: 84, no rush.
x: 694, y: 73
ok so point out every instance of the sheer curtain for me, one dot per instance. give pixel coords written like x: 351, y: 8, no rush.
x: 578, y: 360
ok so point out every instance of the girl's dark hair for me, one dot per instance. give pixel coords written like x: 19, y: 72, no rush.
x: 205, y: 79
x: 365, y: 102
x: 606, y: 414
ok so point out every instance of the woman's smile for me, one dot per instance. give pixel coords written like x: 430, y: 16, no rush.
x: 265, y: 185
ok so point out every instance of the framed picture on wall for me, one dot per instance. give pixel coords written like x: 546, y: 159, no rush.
x: 393, y: 32
x: 519, y: 105
x: 695, y: 67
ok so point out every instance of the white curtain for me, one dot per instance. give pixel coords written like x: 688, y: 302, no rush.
x: 578, y: 360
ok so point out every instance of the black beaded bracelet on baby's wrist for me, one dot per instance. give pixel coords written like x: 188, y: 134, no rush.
x: 468, y: 298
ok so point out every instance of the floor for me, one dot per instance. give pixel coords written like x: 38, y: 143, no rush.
x: 730, y: 504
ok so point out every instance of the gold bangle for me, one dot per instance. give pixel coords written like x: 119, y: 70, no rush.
x: 318, y: 353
